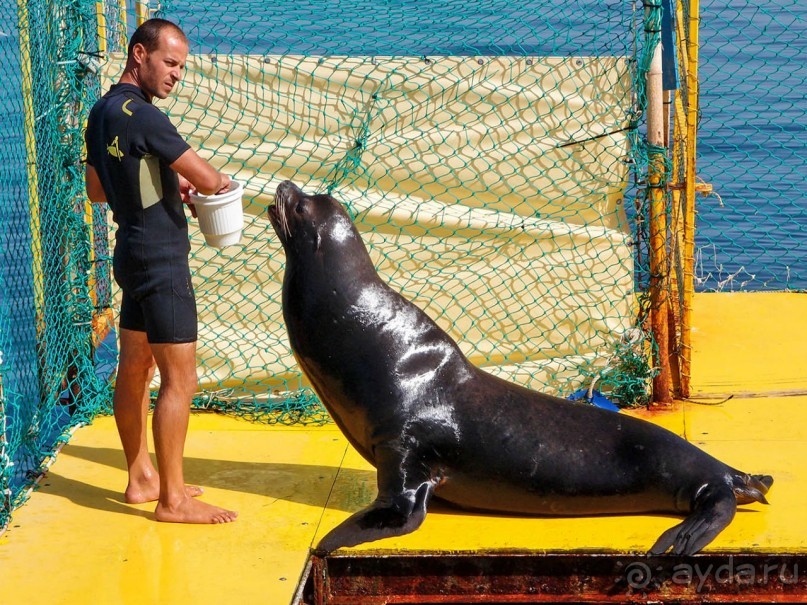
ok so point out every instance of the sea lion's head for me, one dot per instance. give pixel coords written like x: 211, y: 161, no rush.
x: 309, y: 224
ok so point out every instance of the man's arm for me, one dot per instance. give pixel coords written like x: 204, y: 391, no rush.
x: 204, y: 178
x: 95, y: 192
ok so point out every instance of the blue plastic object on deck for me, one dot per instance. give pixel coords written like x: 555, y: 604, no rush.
x: 597, y: 398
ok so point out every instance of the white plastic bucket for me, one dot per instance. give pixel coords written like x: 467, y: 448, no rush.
x: 221, y: 217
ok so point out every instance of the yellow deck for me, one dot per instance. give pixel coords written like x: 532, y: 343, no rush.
x: 76, y: 542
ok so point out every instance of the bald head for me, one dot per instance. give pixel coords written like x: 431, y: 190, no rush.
x: 150, y: 32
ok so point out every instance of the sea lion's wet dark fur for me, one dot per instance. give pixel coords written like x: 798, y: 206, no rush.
x: 433, y: 424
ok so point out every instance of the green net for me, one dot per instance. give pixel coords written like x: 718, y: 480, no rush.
x: 47, y: 311
x: 491, y: 155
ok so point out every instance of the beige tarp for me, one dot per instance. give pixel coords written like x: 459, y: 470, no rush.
x: 489, y: 191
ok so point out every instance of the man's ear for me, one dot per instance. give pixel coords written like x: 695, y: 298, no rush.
x: 139, y: 53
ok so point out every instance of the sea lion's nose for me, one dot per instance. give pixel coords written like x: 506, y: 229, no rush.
x: 287, y: 187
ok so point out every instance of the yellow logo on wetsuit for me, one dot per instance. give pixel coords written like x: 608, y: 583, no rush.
x: 114, y: 150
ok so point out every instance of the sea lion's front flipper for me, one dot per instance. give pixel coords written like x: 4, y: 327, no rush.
x: 382, y: 519
x: 399, y: 509
x: 713, y: 509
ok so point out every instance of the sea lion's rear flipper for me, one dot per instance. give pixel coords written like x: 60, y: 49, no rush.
x: 752, y: 488
x: 383, y: 519
x: 713, y: 510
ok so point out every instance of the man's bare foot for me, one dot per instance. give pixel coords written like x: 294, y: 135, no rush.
x: 189, y: 510
x: 148, y: 490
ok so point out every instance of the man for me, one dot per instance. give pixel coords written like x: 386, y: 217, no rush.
x: 137, y: 161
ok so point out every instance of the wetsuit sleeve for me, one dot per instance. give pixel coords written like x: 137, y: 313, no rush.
x: 159, y: 136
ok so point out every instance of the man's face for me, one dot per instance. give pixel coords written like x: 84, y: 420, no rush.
x: 162, y: 68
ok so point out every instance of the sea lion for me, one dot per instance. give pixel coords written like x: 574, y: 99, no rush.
x: 433, y: 424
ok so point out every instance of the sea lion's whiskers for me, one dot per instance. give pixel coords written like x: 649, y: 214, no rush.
x: 280, y: 203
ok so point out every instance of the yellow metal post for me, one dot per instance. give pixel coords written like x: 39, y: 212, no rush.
x: 26, y: 68
x: 678, y: 142
x: 659, y: 263
x: 102, y: 321
x: 122, y: 35
x: 676, y: 238
x: 142, y: 11
x: 102, y: 33
x: 689, y: 194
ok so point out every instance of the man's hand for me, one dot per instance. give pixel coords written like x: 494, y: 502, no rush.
x: 185, y: 189
x: 225, y: 183
x: 185, y: 193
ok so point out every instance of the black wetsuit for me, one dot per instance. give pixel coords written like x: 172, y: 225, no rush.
x: 131, y: 145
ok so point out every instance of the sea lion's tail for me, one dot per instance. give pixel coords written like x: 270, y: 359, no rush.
x: 751, y: 488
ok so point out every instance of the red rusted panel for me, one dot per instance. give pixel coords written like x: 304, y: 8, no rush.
x: 556, y: 578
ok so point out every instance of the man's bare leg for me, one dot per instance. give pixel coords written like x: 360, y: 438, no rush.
x: 131, y: 404
x: 177, y: 363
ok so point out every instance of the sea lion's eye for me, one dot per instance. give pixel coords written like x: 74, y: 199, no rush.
x: 299, y: 208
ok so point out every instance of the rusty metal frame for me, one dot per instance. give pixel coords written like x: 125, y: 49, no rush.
x: 554, y: 578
